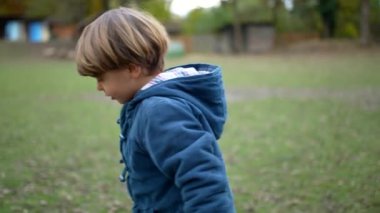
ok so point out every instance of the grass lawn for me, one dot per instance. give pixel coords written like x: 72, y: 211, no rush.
x: 302, y: 134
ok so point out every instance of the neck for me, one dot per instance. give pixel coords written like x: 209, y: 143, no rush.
x: 146, y: 79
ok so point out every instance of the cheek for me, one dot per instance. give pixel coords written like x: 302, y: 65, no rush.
x: 118, y: 89
x: 112, y: 90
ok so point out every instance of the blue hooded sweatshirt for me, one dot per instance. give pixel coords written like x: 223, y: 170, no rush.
x: 168, y: 143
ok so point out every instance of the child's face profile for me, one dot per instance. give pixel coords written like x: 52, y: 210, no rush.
x: 120, y: 85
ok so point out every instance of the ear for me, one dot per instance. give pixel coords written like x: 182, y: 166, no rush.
x: 135, y: 71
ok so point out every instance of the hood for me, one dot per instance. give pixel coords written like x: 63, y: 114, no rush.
x: 205, y: 91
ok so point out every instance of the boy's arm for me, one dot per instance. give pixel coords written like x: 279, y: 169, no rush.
x: 182, y: 150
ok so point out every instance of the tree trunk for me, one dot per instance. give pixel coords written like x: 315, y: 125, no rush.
x: 328, y: 10
x: 364, y: 23
x: 275, y: 11
x: 275, y: 8
x: 237, y: 34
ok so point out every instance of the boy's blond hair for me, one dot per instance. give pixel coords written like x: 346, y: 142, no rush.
x: 120, y: 38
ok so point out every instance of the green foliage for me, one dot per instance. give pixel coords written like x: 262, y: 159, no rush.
x: 12, y: 7
x: 200, y: 21
x: 68, y: 11
x: 220, y: 17
x: 193, y: 20
x: 348, y: 30
x: 95, y: 7
x: 157, y: 8
x: 73, y: 11
x: 255, y: 11
x: 40, y: 8
x: 348, y: 19
x: 302, y: 18
x: 340, y: 16
x: 327, y: 6
x: 375, y: 19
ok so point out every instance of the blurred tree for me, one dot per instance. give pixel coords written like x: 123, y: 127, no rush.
x: 374, y: 17
x: 276, y: 6
x: 257, y: 10
x: 238, y: 38
x: 200, y: 21
x: 328, y: 10
x: 348, y: 19
x: 40, y: 8
x: 58, y: 10
x: 80, y: 9
x: 221, y: 16
x: 234, y: 12
x: 12, y: 7
x: 364, y: 22
x: 299, y: 16
x: 331, y: 18
x: 96, y: 6
x: 158, y: 8
x: 197, y: 22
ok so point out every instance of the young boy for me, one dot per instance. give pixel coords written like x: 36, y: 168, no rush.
x: 170, y: 121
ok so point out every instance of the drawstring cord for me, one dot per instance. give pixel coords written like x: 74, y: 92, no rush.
x: 123, y: 174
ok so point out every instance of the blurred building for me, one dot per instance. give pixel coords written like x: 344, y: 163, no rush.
x: 256, y: 38
x: 21, y: 29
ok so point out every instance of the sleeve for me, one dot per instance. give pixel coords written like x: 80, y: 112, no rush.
x: 184, y: 152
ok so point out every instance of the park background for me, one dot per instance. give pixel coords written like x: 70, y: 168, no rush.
x: 302, y: 80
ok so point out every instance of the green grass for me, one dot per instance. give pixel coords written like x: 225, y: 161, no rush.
x: 59, y: 139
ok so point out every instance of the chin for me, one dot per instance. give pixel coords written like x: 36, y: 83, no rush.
x: 120, y: 102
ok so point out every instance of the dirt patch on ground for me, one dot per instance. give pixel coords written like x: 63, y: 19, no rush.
x: 368, y: 98
x: 327, y: 46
